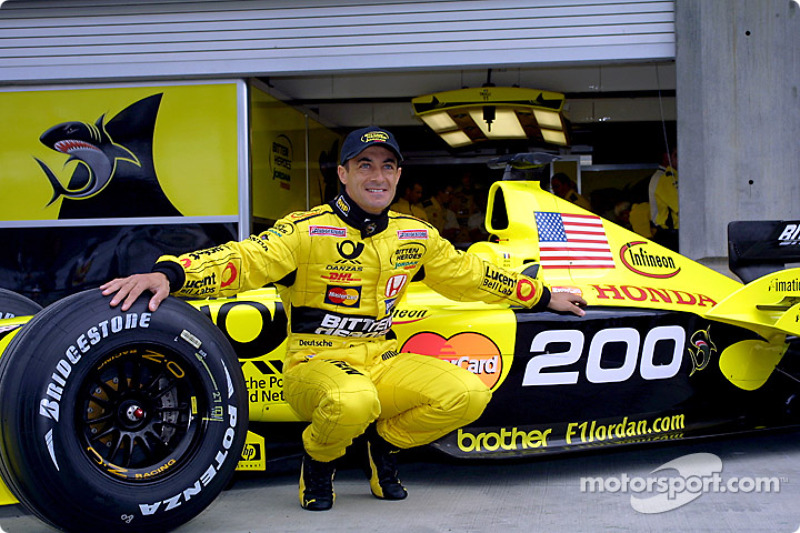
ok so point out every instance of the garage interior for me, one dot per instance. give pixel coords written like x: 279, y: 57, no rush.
x: 621, y: 117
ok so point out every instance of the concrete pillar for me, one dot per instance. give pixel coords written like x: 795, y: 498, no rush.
x: 738, y: 117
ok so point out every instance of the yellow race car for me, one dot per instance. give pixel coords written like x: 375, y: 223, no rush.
x: 136, y: 421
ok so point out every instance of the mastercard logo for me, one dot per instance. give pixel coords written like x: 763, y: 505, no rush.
x: 469, y: 350
x: 347, y: 296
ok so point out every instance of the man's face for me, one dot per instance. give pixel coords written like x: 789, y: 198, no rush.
x: 559, y: 187
x: 414, y: 193
x: 444, y: 195
x: 370, y: 178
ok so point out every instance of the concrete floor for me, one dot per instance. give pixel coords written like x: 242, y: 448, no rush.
x: 522, y: 496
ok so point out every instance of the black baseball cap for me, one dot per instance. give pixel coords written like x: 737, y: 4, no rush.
x: 359, y: 140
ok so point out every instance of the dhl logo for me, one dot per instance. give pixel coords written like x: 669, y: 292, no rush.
x: 341, y: 277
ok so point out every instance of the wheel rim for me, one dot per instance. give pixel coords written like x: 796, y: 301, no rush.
x: 142, y: 413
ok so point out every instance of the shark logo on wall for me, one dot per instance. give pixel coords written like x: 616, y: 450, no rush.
x: 114, y: 175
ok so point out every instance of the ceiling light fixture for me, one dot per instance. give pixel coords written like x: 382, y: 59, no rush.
x: 467, y: 116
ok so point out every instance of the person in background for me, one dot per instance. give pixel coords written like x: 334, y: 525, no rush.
x: 622, y: 214
x: 663, y: 196
x: 410, y: 201
x: 464, y: 197
x: 476, y: 224
x: 564, y: 187
x: 437, y: 208
x: 639, y: 218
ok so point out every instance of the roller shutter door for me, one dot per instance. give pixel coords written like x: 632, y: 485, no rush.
x: 80, y: 40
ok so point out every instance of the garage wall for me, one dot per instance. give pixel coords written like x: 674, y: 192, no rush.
x: 738, y: 129
x: 52, y: 41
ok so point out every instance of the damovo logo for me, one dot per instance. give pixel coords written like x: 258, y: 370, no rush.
x: 471, y: 351
x: 637, y: 259
x: 380, y: 136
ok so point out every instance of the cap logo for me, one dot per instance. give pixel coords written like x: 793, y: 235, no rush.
x: 375, y: 136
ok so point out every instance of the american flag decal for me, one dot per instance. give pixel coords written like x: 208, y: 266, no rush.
x: 572, y: 241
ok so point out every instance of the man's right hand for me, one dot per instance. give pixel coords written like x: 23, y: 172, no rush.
x: 129, y: 289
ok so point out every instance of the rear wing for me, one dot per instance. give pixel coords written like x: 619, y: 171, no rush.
x: 769, y: 305
x: 757, y: 248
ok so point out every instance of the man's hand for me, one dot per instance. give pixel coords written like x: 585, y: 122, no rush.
x: 129, y: 289
x: 566, y: 301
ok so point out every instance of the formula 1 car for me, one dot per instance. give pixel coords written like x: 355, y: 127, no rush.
x: 135, y: 421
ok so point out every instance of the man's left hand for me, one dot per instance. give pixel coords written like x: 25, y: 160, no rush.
x: 566, y: 301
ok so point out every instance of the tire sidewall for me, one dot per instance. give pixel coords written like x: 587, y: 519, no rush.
x: 41, y: 387
x: 13, y: 305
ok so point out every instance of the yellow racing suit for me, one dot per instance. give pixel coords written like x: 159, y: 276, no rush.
x: 664, y: 198
x: 340, y: 272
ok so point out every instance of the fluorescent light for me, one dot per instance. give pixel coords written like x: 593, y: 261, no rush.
x: 555, y: 137
x: 504, y: 126
x: 456, y: 138
x: 547, y: 119
x: 439, y: 121
x: 498, y: 112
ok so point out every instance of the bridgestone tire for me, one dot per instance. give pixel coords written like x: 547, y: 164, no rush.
x: 117, y: 421
x: 13, y: 304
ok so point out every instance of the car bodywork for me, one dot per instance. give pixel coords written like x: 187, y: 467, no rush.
x: 668, y: 349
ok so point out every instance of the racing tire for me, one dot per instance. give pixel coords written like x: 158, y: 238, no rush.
x: 119, y: 421
x: 13, y: 305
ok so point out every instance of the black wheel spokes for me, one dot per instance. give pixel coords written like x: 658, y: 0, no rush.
x: 104, y: 388
x: 152, y: 385
x: 119, y: 439
x: 121, y: 379
x: 136, y: 414
x: 171, y: 384
x: 136, y: 377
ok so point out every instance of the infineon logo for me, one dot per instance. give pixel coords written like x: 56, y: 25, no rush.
x: 641, y: 258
